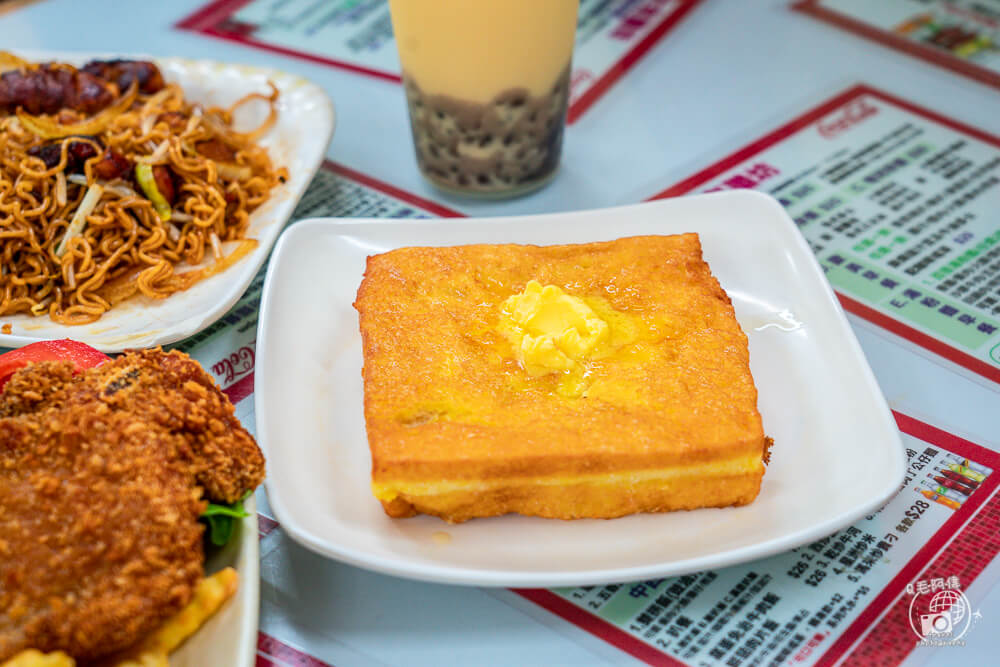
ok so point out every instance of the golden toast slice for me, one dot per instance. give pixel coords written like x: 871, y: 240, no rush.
x: 479, y: 403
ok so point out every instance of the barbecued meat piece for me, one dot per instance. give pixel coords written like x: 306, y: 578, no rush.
x: 216, y: 150
x: 77, y: 152
x: 124, y: 72
x: 175, y: 120
x: 49, y: 88
x: 102, y: 479
x: 112, y: 165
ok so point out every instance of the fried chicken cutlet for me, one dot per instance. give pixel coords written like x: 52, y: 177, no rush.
x: 103, y: 476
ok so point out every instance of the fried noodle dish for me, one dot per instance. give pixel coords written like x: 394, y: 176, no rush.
x: 113, y: 184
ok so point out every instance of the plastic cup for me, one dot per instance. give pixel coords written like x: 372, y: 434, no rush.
x: 487, y: 86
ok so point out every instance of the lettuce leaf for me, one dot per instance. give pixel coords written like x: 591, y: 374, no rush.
x: 220, y: 520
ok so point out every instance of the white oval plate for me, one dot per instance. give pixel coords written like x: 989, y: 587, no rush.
x: 817, y: 396
x: 298, y: 141
x: 230, y: 636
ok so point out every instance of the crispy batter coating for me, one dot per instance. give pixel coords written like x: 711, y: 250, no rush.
x: 101, y: 479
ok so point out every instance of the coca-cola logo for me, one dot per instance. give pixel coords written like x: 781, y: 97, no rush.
x: 237, y: 364
x: 854, y: 113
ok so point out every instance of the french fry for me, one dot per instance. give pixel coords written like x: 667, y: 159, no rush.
x: 210, y: 593
x: 35, y: 658
x: 145, y: 659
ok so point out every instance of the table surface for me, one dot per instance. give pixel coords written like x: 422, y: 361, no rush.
x: 728, y: 73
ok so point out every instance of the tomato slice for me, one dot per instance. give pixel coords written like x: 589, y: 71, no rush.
x: 82, y: 355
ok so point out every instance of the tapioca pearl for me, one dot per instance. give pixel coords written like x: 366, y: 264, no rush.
x: 468, y: 126
x: 435, y: 135
x: 483, y: 179
x: 442, y: 123
x: 508, y: 115
x: 473, y: 151
x: 486, y: 140
x: 501, y: 110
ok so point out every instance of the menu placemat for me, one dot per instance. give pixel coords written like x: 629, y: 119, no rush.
x: 864, y: 590
x: 612, y: 35
x: 960, y: 35
x: 899, y: 204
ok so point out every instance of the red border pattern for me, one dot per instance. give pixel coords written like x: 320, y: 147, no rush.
x: 272, y: 652
x: 939, y: 551
x: 930, y: 54
x: 207, y: 19
x: 598, y: 627
x: 391, y: 190
x: 265, y: 525
x: 240, y: 389
x: 893, y: 640
x: 902, y: 330
x: 628, y: 61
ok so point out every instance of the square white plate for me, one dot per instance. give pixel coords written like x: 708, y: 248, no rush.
x: 297, y: 141
x: 818, y: 399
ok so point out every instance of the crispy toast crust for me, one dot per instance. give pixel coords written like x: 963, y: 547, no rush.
x: 445, y: 401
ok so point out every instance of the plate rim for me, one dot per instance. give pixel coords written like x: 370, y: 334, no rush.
x: 436, y: 573
x: 250, y: 562
x: 327, y: 117
x: 244, y: 558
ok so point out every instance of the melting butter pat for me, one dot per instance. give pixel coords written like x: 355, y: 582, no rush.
x: 549, y: 330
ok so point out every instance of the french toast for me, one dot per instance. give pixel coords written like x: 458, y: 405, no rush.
x: 621, y: 386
